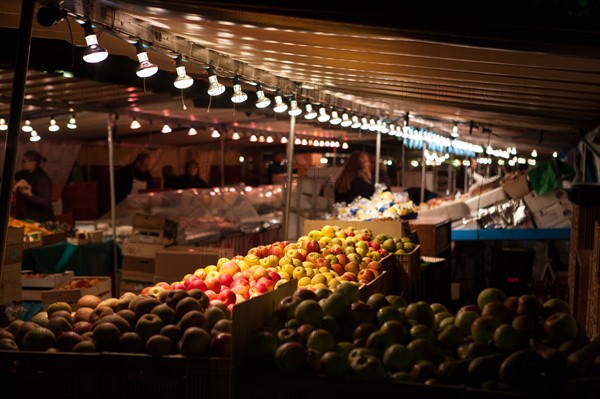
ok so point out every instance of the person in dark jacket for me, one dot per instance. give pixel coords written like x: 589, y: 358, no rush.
x: 33, y: 189
x: 355, y: 179
x: 191, y: 178
x: 133, y: 177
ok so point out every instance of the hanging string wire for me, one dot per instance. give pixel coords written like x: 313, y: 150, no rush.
x: 182, y: 101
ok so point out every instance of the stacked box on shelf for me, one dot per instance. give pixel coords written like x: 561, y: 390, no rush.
x: 79, y: 286
x: 35, y: 283
x: 434, y: 234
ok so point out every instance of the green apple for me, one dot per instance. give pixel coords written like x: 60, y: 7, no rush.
x: 320, y: 340
x: 490, y: 294
x: 507, y: 338
x: 560, y: 327
x: 290, y: 357
x: 334, y: 364
x: 398, y: 358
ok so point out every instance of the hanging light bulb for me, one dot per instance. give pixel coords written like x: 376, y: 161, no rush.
x: 335, y: 118
x: 253, y: 138
x: 269, y: 139
x: 283, y: 140
x: 345, y: 120
x: 323, y: 115
x: 345, y: 145
x: 261, y: 139
x: 372, y: 125
x: 534, y: 153
x: 235, y: 136
x: 72, y: 122
x: 262, y: 101
x: 297, y: 141
x: 182, y: 81
x: 304, y: 142
x: 364, y: 124
x: 355, y: 122
x: 93, y: 53
x: 166, y: 128
x: 3, y: 125
x: 554, y: 154
x: 280, y: 106
x: 27, y: 128
x: 455, y: 130
x: 238, y: 95
x: 145, y: 69
x: 215, y: 134
x: 384, y: 127
x: 192, y: 131
x: 53, y: 125
x: 214, y: 88
x: 310, y: 112
x: 294, y: 110
x: 135, y: 124
x: 34, y: 136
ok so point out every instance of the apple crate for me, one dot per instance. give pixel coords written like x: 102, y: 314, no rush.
x: 380, y: 284
x: 101, y: 287
x: 407, y: 269
x: 31, y: 279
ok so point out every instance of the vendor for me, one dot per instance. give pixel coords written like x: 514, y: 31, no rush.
x: 277, y: 169
x: 33, y: 189
x: 355, y: 179
x: 191, y: 178
x: 134, y: 177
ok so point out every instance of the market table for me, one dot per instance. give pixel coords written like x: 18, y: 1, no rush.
x: 84, y: 260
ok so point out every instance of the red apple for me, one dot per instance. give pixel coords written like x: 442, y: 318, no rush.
x: 227, y: 296
x: 274, y: 276
x: 213, y: 284
x: 352, y: 267
x: 211, y: 294
x: 225, y: 279
x: 230, y: 267
x: 313, y: 246
x: 261, y: 288
x: 242, y: 290
x: 375, y: 245
x: 178, y: 286
x: 197, y: 284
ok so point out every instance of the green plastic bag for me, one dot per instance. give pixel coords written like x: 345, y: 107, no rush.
x: 543, y: 178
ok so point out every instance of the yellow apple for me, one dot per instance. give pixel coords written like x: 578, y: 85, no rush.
x: 328, y: 275
x: 283, y: 275
x: 299, y: 272
x: 280, y: 281
x: 323, y: 241
x: 333, y: 283
x: 287, y: 268
x: 259, y: 272
x: 318, y: 278
x: 243, y: 265
x: 323, y: 269
x: 308, y: 265
x: 304, y: 281
x: 211, y: 268
x: 283, y: 260
x: 328, y: 231
x: 314, y: 235
x: 318, y: 286
x: 221, y: 261
x: 212, y: 274
x: 251, y: 259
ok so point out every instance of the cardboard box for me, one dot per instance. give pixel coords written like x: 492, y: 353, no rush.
x: 486, y: 199
x: 394, y: 228
x: 101, y: 287
x: 536, y: 202
x: 173, y: 263
x: 151, y: 229
x: 30, y: 279
x: 11, y: 274
x: 138, y: 264
x: 9, y: 293
x: 434, y: 234
x: 554, y: 216
x: 141, y: 250
x: 517, y: 187
x: 13, y: 253
x: 15, y: 235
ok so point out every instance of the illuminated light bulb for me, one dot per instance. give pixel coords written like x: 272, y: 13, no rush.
x: 238, y: 95
x: 346, y: 121
x: 554, y: 154
x: 192, y: 131
x: 3, y: 125
x: 235, y: 136
x: 323, y: 115
x: 261, y: 139
x: 145, y: 69
x: 214, y: 88
x: 53, y: 125
x: 454, y: 130
x: 297, y: 141
x: 135, y: 124
x: 345, y: 145
x: 294, y: 110
x: 253, y: 138
x: 355, y: 122
x: 335, y: 118
x: 34, y: 136
x: 215, y: 134
x: 182, y: 81
x: 72, y: 122
x: 241, y: 159
x: 262, y: 101
x: 310, y: 112
x: 279, y: 106
x: 166, y: 128
x: 27, y: 128
x: 93, y: 53
x: 304, y: 142
x: 283, y: 140
x: 534, y: 153
x: 372, y: 125
x: 364, y: 124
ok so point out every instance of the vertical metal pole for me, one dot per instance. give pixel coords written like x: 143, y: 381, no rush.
x: 113, y: 204
x: 222, y: 159
x: 377, y: 155
x: 288, y: 180
x: 422, y: 199
x: 403, y: 166
x: 14, y: 122
x: 450, y: 184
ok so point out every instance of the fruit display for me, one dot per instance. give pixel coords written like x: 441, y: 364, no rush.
x: 177, y: 322
x: 383, y: 205
x: 321, y: 259
x: 29, y: 227
x: 78, y: 283
x: 515, y: 344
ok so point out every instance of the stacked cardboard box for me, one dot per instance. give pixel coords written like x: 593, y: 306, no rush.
x: 10, y: 277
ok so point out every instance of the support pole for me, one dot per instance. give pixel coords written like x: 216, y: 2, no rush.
x: 288, y: 180
x: 14, y: 121
x: 423, y: 173
x: 403, y: 167
x: 377, y: 155
x: 222, y: 159
x: 113, y: 204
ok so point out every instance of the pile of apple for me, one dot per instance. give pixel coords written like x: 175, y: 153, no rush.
x: 174, y: 322
x: 321, y: 259
x: 512, y: 344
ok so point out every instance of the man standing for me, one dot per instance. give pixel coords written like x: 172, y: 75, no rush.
x: 132, y: 178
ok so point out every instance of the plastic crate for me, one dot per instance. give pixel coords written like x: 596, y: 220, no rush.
x: 381, y: 284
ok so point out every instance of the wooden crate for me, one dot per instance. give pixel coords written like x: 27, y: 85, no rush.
x: 62, y: 293
x: 393, y: 228
x: 15, y: 235
x: 30, y: 279
x: 379, y: 285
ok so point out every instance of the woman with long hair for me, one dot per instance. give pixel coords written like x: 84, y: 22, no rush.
x: 355, y: 179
